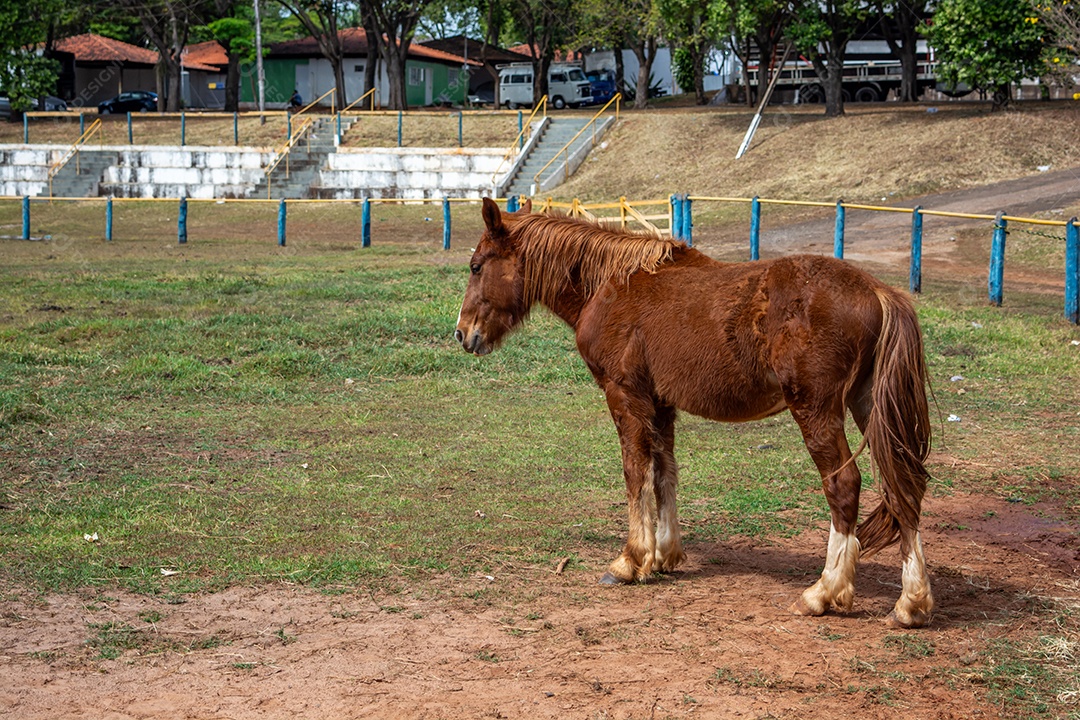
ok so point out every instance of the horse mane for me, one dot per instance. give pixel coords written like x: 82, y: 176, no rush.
x: 559, y: 249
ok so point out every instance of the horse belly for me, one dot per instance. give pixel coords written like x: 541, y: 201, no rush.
x: 721, y: 393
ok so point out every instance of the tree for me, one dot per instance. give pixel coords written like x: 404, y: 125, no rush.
x: 694, y: 26
x: 633, y: 24
x: 544, y: 25
x: 759, y: 22
x: 988, y: 44
x: 1062, y: 20
x: 821, y: 31
x: 901, y: 20
x: 167, y: 25
x: 321, y: 18
x: 237, y: 38
x: 26, y: 73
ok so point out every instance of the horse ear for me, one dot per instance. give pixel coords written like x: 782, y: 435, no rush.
x: 493, y: 218
x: 527, y: 207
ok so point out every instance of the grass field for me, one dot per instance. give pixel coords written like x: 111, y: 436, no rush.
x: 247, y: 411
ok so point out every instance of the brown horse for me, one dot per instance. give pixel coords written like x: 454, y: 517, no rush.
x: 663, y: 327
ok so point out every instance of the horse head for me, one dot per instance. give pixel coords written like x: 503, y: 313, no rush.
x: 494, y: 300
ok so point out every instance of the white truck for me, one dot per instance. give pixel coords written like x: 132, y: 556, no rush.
x: 567, y: 85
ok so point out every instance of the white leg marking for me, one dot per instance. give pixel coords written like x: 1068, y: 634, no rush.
x: 916, y: 601
x: 836, y: 587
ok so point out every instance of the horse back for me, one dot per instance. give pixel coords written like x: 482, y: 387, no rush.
x: 723, y: 340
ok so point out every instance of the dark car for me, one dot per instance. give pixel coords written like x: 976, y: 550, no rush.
x: 603, y: 85
x: 137, y: 101
x: 52, y: 104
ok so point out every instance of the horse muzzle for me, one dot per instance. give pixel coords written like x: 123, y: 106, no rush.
x: 473, y: 342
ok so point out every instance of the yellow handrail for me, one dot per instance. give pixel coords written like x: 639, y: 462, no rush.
x: 360, y: 99
x: 315, y: 102
x: 525, y: 129
x: 565, y: 148
x: 282, y: 151
x: 55, y: 168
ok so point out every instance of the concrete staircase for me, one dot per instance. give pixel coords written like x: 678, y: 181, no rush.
x: 305, y: 161
x: 82, y: 177
x: 557, y: 133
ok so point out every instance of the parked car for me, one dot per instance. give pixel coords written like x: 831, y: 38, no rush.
x: 483, y: 96
x: 603, y: 85
x: 51, y: 104
x: 136, y: 101
x: 567, y: 85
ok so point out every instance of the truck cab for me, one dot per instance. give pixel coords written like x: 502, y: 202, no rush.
x: 567, y: 85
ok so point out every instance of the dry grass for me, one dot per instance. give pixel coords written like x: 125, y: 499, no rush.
x: 434, y: 130
x: 871, y: 154
x: 149, y: 129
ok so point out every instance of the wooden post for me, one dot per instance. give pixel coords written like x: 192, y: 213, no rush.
x: 688, y: 221
x: 512, y: 204
x: 281, y: 218
x: 838, y: 234
x: 26, y: 217
x: 1072, y: 273
x: 446, y: 223
x: 131, y: 137
x: 365, y: 224
x: 755, y: 229
x: 399, y: 117
x: 235, y: 128
x: 997, y: 261
x: 108, y: 219
x: 181, y: 222
x: 676, y: 217
x: 915, y: 276
x: 183, y: 128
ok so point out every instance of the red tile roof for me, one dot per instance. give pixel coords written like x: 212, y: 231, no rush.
x: 209, y: 53
x: 96, y: 48
x: 353, y: 43
x: 560, y: 56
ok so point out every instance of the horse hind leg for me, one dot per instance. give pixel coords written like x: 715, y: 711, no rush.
x: 669, y: 550
x: 916, y: 603
x: 835, y: 589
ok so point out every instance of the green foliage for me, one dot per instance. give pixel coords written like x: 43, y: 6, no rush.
x: 987, y: 44
x: 683, y: 63
x: 24, y: 73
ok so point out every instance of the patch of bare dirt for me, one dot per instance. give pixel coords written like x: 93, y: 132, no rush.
x: 714, y: 640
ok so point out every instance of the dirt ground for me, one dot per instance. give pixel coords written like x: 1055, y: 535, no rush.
x: 713, y: 640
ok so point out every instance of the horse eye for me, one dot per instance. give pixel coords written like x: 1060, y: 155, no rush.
x: 475, y: 268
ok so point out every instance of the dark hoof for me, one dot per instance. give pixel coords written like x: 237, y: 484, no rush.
x: 917, y: 620
x: 609, y: 579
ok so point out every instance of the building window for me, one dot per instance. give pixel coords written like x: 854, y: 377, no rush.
x: 417, y: 75
x: 358, y: 68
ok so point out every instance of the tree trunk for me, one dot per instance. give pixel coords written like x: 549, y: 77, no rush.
x: 620, y: 69
x: 698, y: 53
x: 645, y: 52
x: 232, y: 83
x: 541, y: 67
x: 337, y: 63
x: 1002, y: 97
x: 903, y: 43
x: 830, y: 71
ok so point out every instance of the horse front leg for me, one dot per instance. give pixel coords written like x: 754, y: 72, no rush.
x: 633, y: 420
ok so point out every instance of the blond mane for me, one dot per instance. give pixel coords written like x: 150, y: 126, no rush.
x: 556, y: 249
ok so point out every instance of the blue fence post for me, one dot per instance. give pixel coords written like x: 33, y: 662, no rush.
x: 131, y: 137
x: 288, y: 123
x: 183, y: 128
x: 521, y: 127
x: 338, y: 143
x: 25, y: 129
x: 400, y: 115
x: 688, y: 221
x: 512, y: 204
x: 755, y: 229
x: 108, y: 219
x: 181, y: 222
x: 446, y: 223
x: 915, y: 275
x: 997, y: 260
x: 460, y: 133
x: 676, y: 217
x: 235, y: 128
x: 365, y: 224
x: 281, y: 216
x: 26, y: 217
x: 838, y: 234
x: 82, y: 123
x: 1072, y: 273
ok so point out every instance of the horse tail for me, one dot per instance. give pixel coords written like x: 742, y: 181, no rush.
x: 898, y: 428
